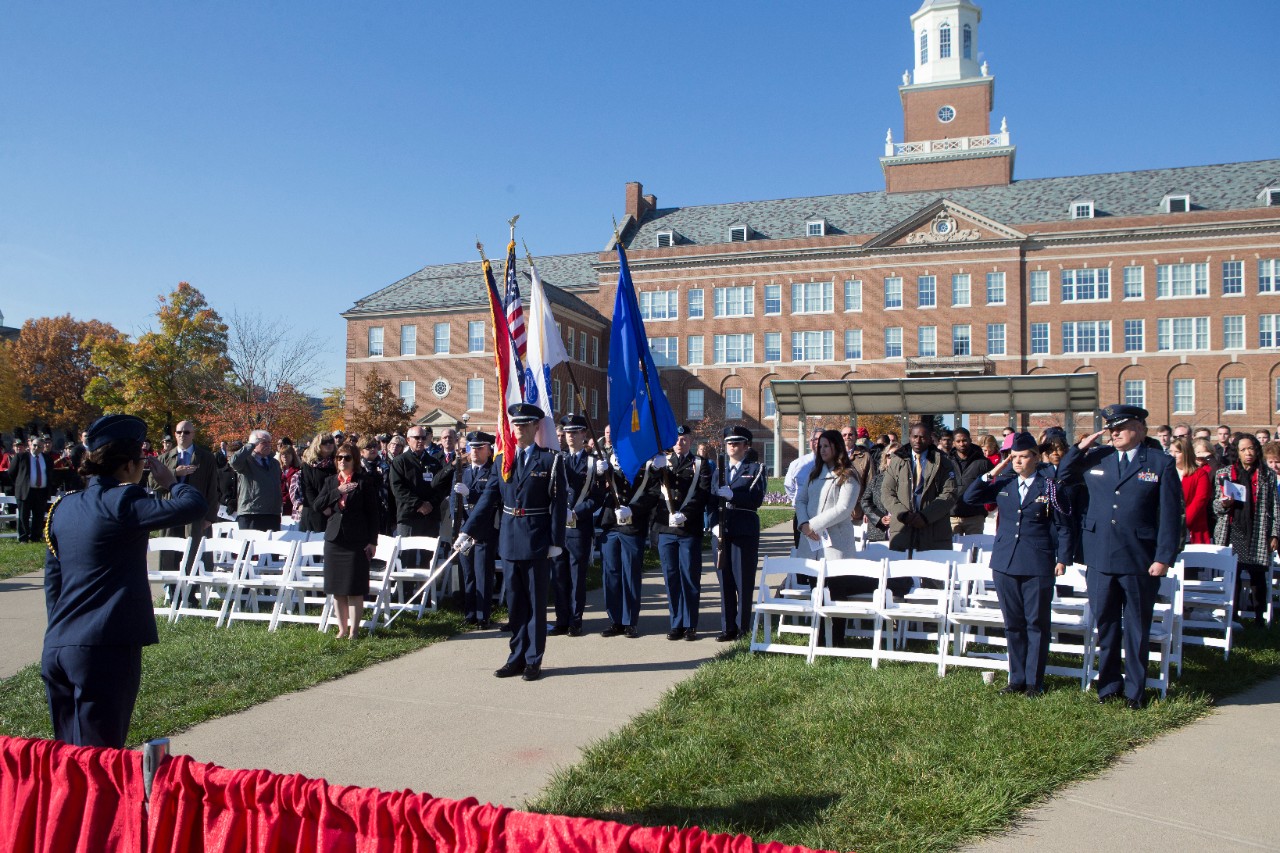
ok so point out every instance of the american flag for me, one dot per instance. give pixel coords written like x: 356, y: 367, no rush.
x: 515, y: 312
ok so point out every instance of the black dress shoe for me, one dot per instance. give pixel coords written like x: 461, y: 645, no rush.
x: 632, y: 633
x: 505, y: 626
x: 677, y: 634
x: 1033, y: 692
x: 484, y: 625
x: 509, y: 670
x: 1110, y: 697
x: 726, y: 637
x: 690, y: 635
x: 613, y: 630
x: 471, y: 621
x: 575, y: 630
x: 559, y: 631
x: 1134, y: 704
x: 1014, y: 688
x: 532, y: 673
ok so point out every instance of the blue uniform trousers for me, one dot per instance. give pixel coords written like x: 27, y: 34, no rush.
x: 1122, y: 601
x: 571, y: 578
x: 91, y: 691
x: 681, y: 558
x: 623, y: 557
x: 738, y: 582
x: 477, y: 580
x: 528, y: 608
x: 1026, y: 604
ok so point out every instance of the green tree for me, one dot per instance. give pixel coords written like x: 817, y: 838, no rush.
x: 379, y: 408
x: 333, y: 402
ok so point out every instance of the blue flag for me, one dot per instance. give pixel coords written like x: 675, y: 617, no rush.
x: 640, y: 418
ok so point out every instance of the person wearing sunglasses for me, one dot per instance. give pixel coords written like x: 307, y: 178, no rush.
x: 350, y: 503
x: 195, y: 466
x: 420, y: 484
x: 317, y: 466
x: 257, y: 483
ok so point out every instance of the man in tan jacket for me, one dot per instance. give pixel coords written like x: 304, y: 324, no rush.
x: 920, y: 491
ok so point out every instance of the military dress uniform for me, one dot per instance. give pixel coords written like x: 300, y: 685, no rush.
x: 1133, y: 519
x: 478, y: 562
x: 532, y: 506
x: 586, y: 495
x: 739, y: 489
x: 622, y: 556
x: 685, y: 487
x: 1033, y: 535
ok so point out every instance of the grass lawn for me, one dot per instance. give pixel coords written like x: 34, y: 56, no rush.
x: 839, y: 756
x: 19, y: 559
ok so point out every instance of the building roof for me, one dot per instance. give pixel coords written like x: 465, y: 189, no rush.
x: 1229, y: 186
x: 461, y: 285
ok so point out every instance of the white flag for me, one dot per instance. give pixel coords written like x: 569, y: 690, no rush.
x: 546, y: 350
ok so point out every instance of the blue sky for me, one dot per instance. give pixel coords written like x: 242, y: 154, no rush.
x: 294, y: 157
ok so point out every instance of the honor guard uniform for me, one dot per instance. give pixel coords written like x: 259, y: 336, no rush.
x: 628, y: 509
x: 1033, y: 545
x: 478, y: 561
x: 1132, y: 534
x: 532, y: 505
x: 585, y: 475
x: 685, y: 487
x: 739, y: 489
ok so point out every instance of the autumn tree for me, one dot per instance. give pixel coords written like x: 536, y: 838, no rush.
x: 378, y: 408
x: 165, y: 375
x: 333, y: 405
x: 13, y: 408
x: 53, y: 357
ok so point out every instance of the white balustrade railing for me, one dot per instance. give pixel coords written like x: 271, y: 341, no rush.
x: 931, y: 146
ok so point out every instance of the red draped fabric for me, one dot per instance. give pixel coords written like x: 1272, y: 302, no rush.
x: 55, y: 797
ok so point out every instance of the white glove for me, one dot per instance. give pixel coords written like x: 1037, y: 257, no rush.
x: 602, y: 467
x: 461, y: 489
x: 678, y: 519
x: 463, y: 543
x: 659, y: 461
x: 715, y: 530
x: 725, y: 492
x: 624, y: 515
x: 554, y: 551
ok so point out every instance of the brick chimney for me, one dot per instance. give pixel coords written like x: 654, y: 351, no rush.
x: 638, y: 204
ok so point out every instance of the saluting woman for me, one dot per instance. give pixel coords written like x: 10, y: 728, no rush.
x: 351, y: 502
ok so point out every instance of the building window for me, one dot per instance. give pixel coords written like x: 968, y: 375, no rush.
x: 595, y: 351
x: 1176, y: 203
x: 693, y: 349
x: 733, y: 404
x: 475, y: 336
x: 1039, y: 287
x: 927, y: 341
x: 1184, y: 396
x: 815, y: 228
x: 408, y: 392
x: 1087, y: 285
x: 1182, y: 333
x: 665, y: 239
x: 734, y: 301
x: 1277, y: 403
x: 475, y: 394
x: 1232, y: 278
x: 659, y: 305
x: 815, y: 297
x: 1082, y: 210
x: 962, y: 340
x: 1086, y: 336
x: 733, y: 349
x: 409, y: 340
x: 1039, y: 338
x: 853, y: 295
x: 441, y: 338
x: 738, y: 234
x: 1133, y: 282
x: 555, y: 395
x: 772, y: 299
x: 769, y: 406
x: 893, y: 342
x: 582, y: 347
x: 924, y: 47
x: 375, y: 340
x: 1233, y: 331
x: 813, y: 346
x: 893, y: 292
x: 1270, y: 197
x: 1269, y: 276
x: 995, y: 339
x: 1233, y: 395
x: 773, y: 346
x: 1175, y: 280
x: 1268, y: 331
x: 569, y: 347
x: 1135, y: 392
x: 770, y: 459
x: 570, y: 401
x: 853, y: 344
x: 968, y: 42
x: 694, y: 405
x: 694, y: 298
x: 666, y: 351
x: 995, y: 288
x: 927, y: 291
x: 960, y: 290
x: 595, y: 403
x: 944, y: 41
x: 1134, y: 336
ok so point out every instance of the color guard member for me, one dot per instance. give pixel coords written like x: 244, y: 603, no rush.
x: 685, y: 487
x: 739, y: 489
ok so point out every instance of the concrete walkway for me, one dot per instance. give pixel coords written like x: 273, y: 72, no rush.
x: 22, y: 621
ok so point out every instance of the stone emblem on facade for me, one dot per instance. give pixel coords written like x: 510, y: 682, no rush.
x: 944, y: 229
x: 441, y: 387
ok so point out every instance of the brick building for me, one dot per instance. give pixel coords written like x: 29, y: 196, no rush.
x: 1166, y: 283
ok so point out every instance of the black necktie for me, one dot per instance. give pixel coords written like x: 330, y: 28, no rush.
x: 1124, y: 463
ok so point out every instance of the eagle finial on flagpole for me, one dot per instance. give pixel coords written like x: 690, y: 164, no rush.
x: 512, y: 223
x: 480, y: 248
x: 617, y: 238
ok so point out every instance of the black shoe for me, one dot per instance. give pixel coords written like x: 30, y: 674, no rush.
x: 726, y: 637
x: 690, y: 635
x: 677, y: 634
x: 505, y: 626
x: 1134, y: 704
x: 484, y: 625
x: 1110, y: 697
x: 559, y: 631
x: 471, y: 621
x: 613, y: 630
x: 632, y: 633
x: 509, y: 670
x: 532, y: 673
x: 1014, y: 688
x: 575, y: 630
x: 1033, y: 692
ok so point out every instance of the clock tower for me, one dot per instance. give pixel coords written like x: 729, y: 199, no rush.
x: 946, y: 106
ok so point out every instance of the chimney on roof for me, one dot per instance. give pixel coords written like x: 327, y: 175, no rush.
x: 638, y: 204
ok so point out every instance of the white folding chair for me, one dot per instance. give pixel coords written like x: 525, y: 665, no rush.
x: 381, y: 583
x: 223, y: 529
x: 1208, y: 597
x: 975, y: 611
x: 859, y: 607
x: 250, y: 535
x: 290, y: 534
x: 1164, y: 629
x: 775, y: 599
x: 977, y: 546
x: 259, y: 582
x: 302, y: 586
x: 1072, y: 632
x: 173, y: 580
x: 206, y: 592
x: 406, y: 578
x: 926, y: 605
x: 8, y: 517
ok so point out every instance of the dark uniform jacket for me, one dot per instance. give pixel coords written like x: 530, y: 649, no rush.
x: 739, y: 516
x: 1031, y: 536
x: 95, y: 578
x: 476, y: 479
x: 532, y: 505
x: 688, y: 482
x: 586, y: 489
x: 417, y: 481
x: 641, y: 497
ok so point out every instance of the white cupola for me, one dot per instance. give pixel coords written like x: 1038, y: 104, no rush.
x: 945, y: 34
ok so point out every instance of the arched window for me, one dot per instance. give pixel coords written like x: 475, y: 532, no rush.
x: 968, y: 42
x: 944, y: 41
x: 924, y: 47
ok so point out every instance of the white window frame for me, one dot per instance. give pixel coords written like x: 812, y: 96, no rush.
x: 733, y: 410
x: 665, y: 350
x: 699, y: 302
x: 1072, y: 283
x: 890, y: 283
x: 997, y: 286
x: 745, y: 346
x: 1141, y: 334
x: 1268, y: 331
x: 1180, y: 390
x: 768, y: 405
x: 1172, y: 277
x: 595, y: 350
x: 1033, y: 338
x: 473, y: 338
x: 853, y: 344
x: 806, y: 344
x: 997, y: 332
x: 1133, y: 286
x: 659, y: 306
x: 803, y: 295
x: 888, y: 333
x: 944, y: 40
x: 774, y: 338
x: 409, y: 339
x: 1134, y: 392
x: 773, y: 293
x: 927, y: 342
x: 815, y: 228
x: 723, y: 301
x: 1228, y: 384
x: 1074, y: 333
x: 664, y: 239
x: 1233, y: 330
x: 961, y: 332
x: 931, y: 283
x: 852, y: 295
x: 1234, y: 278
x: 1082, y: 209
x: 1170, y: 329
x: 1269, y: 275
x: 739, y: 234
x: 376, y: 342
x: 440, y: 335
x: 595, y: 403
x: 1038, y: 283
x: 475, y: 393
x: 410, y: 398
x: 695, y: 412
x: 693, y: 352
x: 1176, y: 200
x: 961, y: 285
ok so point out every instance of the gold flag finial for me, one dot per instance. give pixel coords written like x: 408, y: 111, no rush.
x: 616, y: 237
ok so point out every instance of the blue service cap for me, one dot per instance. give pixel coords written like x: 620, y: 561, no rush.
x: 478, y: 437
x: 572, y: 422
x: 524, y: 413
x: 683, y: 429
x: 737, y: 433
x: 115, y: 427
x: 1113, y: 416
x: 1023, y: 441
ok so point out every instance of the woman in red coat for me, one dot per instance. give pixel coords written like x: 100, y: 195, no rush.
x: 1196, y: 491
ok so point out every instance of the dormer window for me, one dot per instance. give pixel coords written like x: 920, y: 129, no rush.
x: 1176, y: 203
x: 1082, y: 209
x: 1270, y: 197
x: 666, y: 239
x: 944, y: 41
x: 739, y: 234
x: 815, y: 228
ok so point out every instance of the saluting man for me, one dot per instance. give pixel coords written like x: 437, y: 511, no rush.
x: 1033, y: 546
x: 739, y: 489
x: 685, y: 487
x: 533, y: 504
x: 586, y: 476
x: 479, y: 560
x: 1132, y: 532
